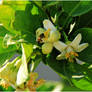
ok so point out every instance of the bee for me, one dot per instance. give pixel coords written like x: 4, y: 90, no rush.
x: 39, y: 40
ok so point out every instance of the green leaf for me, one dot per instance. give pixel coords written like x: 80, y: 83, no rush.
x: 50, y: 3
x: 34, y: 11
x: 16, y: 5
x: 7, y: 13
x: 35, y: 63
x: 85, y: 20
x: 83, y: 84
x: 86, y: 55
x: 39, y: 3
x: 59, y: 67
x: 6, y: 53
x: 70, y: 88
x: 51, y: 86
x: 77, y: 8
x: 79, y: 73
x: 8, y: 89
x: 23, y: 71
x: 27, y: 49
x: 3, y: 32
x: 25, y: 21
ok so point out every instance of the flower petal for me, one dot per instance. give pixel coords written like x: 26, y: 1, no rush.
x: 9, y: 73
x: 71, y: 27
x: 39, y: 31
x: 76, y: 41
x: 47, y: 48
x: 69, y: 49
x: 59, y: 45
x: 61, y: 56
x: 48, y: 25
x: 82, y: 47
x: 79, y: 61
x: 1, y: 24
x: 54, y: 36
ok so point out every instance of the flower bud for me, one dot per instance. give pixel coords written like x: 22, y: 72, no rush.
x: 47, y: 48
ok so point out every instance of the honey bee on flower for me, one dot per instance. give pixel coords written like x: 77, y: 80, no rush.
x: 50, y: 37
x: 47, y: 35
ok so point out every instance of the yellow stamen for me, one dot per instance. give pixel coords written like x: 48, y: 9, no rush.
x: 71, y: 55
x: 4, y: 84
x: 46, y: 33
x: 70, y: 59
x: 75, y: 54
x: 67, y: 55
x: 32, y: 84
x: 40, y: 82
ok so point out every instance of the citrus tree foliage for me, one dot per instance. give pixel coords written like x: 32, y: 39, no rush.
x: 41, y: 32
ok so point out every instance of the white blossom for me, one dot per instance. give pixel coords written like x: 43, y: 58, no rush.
x: 47, y: 35
x: 70, y: 49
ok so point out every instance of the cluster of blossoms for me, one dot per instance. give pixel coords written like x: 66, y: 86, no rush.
x: 32, y: 84
x: 49, y: 35
x: 8, y: 76
x: 12, y: 73
x: 16, y: 74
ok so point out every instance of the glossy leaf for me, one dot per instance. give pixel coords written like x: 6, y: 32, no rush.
x: 77, y: 8
x: 6, y: 53
x: 25, y: 21
x: 85, y: 20
x: 16, y: 5
x: 86, y: 55
x: 83, y: 84
x: 51, y: 86
x: 7, y: 13
x: 35, y: 63
x: 60, y: 67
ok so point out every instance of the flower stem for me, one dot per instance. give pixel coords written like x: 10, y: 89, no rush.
x: 65, y: 36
